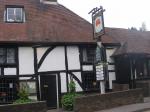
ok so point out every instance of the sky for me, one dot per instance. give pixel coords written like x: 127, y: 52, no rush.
x: 118, y: 14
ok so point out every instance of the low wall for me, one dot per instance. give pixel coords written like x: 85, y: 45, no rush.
x: 29, y: 107
x: 145, y: 85
x: 120, y: 87
x: 105, y: 101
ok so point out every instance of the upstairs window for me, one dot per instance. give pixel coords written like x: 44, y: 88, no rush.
x: 88, y: 54
x: 14, y: 14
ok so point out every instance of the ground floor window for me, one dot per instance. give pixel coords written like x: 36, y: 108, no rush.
x: 89, y: 81
x: 30, y: 87
x: 142, y: 68
x: 8, y: 90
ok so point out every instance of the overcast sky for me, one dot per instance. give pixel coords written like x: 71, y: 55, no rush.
x: 119, y: 13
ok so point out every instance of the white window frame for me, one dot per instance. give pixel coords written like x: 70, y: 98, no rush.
x: 14, y: 12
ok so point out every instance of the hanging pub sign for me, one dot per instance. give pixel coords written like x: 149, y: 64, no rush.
x: 98, y: 23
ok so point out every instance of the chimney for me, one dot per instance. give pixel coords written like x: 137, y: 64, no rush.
x: 54, y: 2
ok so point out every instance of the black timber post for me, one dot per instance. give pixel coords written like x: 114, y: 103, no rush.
x: 36, y: 73
x: 66, y: 63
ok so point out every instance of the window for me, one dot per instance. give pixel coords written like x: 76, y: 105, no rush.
x: 89, y: 81
x: 30, y: 87
x: 142, y: 68
x: 7, y: 56
x: 88, y: 54
x: 14, y: 14
x: 8, y: 90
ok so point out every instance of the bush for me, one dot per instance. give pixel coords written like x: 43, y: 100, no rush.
x: 72, y: 87
x: 68, y: 99
x: 21, y: 101
x: 23, y: 96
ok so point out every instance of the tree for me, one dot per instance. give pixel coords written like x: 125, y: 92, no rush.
x: 133, y: 28
x: 143, y: 27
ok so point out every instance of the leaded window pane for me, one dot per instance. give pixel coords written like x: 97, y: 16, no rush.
x: 11, y: 14
x: 2, y: 59
x: 2, y: 55
x: 0, y: 71
x: 10, y: 55
x: 19, y: 14
x: 15, y: 14
x: 88, y: 54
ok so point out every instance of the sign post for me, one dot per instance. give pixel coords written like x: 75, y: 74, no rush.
x: 98, y: 31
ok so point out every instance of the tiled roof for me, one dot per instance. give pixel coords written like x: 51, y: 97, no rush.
x: 45, y: 23
x: 132, y: 42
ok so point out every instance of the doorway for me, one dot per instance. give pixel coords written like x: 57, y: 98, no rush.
x: 49, y: 90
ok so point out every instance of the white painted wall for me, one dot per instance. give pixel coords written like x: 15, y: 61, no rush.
x: 112, y: 77
x: 26, y: 60
x: 10, y: 71
x: 25, y: 78
x: 40, y: 52
x: 78, y: 75
x: 111, y: 67
x: 73, y: 57
x: 109, y: 53
x: 63, y: 82
x: 87, y: 68
x: 54, y: 61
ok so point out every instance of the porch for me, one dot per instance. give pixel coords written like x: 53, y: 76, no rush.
x: 133, y: 70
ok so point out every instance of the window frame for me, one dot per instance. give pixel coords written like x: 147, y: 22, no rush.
x: 15, y: 7
x: 142, y: 65
x: 84, y: 49
x: 5, y: 56
x: 89, y: 78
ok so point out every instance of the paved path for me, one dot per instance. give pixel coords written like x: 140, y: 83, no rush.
x: 140, y: 107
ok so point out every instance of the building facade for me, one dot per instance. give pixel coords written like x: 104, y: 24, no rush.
x: 43, y: 46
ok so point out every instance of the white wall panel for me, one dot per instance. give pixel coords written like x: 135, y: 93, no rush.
x: 25, y: 78
x: 112, y: 77
x: 63, y: 82
x: 26, y: 60
x: 87, y: 68
x: 111, y: 67
x: 54, y: 61
x: 10, y: 71
x: 78, y: 75
x: 40, y: 52
x: 109, y: 53
x: 73, y: 57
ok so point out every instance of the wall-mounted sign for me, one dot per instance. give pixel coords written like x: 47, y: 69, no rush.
x: 98, y: 23
x: 99, y: 73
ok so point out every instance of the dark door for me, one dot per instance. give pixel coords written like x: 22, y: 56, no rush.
x: 123, y: 70
x: 49, y: 90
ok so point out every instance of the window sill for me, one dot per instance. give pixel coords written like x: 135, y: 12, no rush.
x: 14, y: 22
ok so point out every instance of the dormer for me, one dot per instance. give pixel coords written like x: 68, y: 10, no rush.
x: 54, y: 2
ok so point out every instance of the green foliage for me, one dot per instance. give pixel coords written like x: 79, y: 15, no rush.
x: 68, y: 99
x: 23, y: 95
x: 21, y: 101
x: 72, y: 87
